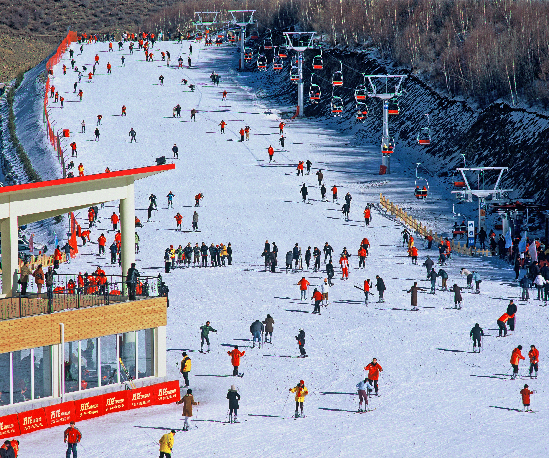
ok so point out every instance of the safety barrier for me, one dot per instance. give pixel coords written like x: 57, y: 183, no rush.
x: 421, y: 229
x: 91, y: 407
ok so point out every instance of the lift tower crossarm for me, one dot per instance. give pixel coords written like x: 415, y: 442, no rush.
x: 242, y: 24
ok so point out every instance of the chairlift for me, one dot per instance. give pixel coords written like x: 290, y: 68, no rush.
x: 337, y: 77
x: 317, y: 62
x: 267, y: 43
x: 248, y: 54
x: 421, y: 186
x: 361, y: 111
x: 360, y: 93
x: 337, y: 105
x: 231, y: 37
x: 282, y: 52
x: 424, y: 135
x: 254, y: 35
x: 294, y: 74
x: 388, y: 145
x: 314, y: 92
x: 262, y: 62
x: 393, y: 106
x: 277, y: 63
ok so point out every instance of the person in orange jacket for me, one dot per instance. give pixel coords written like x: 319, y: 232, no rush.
x: 533, y: 354
x: 114, y: 221
x: 178, y: 219
x: 361, y: 257
x: 367, y: 216
x: 502, y: 324
x: 91, y: 217
x: 413, y: 252
x: 15, y: 445
x: 303, y: 285
x: 235, y: 355
x: 197, y: 199
x: 80, y: 170
x: 334, y: 193
x: 97, y: 58
x: 373, y: 373
x: 102, y: 241
x: 72, y: 437
x: 73, y: 148
x: 224, y: 96
x: 222, y: 124
x: 80, y: 94
x: 300, y: 168
x: 241, y: 134
x: 516, y: 356
x: 317, y: 297
x: 525, y: 394
x: 271, y: 152
x: 109, y: 67
x: 367, y: 286
x: 281, y: 127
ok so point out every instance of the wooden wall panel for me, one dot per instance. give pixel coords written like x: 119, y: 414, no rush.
x: 42, y: 330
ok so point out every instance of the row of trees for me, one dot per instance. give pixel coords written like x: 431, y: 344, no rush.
x: 484, y: 49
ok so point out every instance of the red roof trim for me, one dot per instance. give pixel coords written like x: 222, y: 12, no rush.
x: 97, y: 176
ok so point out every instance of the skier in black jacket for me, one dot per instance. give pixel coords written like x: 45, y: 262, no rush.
x: 233, y: 398
x: 476, y: 334
x: 511, y: 310
x: 301, y: 342
x: 330, y: 272
x: 328, y: 250
x: 380, y: 286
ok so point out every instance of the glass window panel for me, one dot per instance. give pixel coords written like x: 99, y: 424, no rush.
x: 127, y: 353
x: 88, y: 359
x: 4, y: 379
x: 71, y: 367
x: 145, y: 341
x: 21, y: 376
x: 109, y: 360
x: 43, y: 372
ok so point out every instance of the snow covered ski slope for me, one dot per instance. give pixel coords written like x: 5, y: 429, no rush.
x: 437, y: 398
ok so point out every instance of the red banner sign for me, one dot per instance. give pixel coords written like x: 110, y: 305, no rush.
x: 116, y: 402
x: 140, y: 397
x: 89, y: 408
x: 166, y: 393
x: 32, y: 420
x: 9, y: 426
x: 60, y: 414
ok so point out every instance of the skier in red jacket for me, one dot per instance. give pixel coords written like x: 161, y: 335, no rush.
x: 516, y: 356
x: 235, y: 355
x: 525, y: 393
x: 373, y: 373
x: 317, y: 297
x: 534, y: 360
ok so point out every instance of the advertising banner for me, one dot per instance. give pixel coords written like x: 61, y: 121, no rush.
x: 9, y: 426
x: 32, y: 420
x: 60, y: 414
x: 140, y: 397
x: 116, y: 402
x: 89, y: 408
x: 166, y: 393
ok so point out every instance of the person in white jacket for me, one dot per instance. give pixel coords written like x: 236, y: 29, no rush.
x: 325, y: 289
x: 362, y: 386
x: 539, y: 281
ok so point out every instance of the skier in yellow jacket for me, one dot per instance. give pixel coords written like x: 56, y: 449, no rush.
x: 166, y: 444
x: 300, y: 391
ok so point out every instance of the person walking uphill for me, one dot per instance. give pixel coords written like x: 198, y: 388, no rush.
x: 373, y: 373
x: 476, y: 334
x: 185, y: 368
x: 256, y: 329
x: 235, y: 355
x: 204, y: 333
x: 300, y: 391
x: 188, y: 403
x: 303, y: 285
x: 269, y: 322
x: 233, y: 398
x: 516, y: 356
x: 72, y: 437
x: 166, y: 444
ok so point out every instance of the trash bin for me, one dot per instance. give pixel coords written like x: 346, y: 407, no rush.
x: 161, y: 160
x: 382, y: 169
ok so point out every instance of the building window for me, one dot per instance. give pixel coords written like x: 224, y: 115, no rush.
x: 109, y: 361
x: 21, y: 376
x: 5, y: 378
x: 71, y: 367
x: 127, y: 349
x: 43, y: 372
x: 88, y: 367
x: 145, y: 353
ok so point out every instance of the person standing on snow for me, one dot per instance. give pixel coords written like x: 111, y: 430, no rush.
x: 457, y: 296
x: 525, y: 394
x: 344, y: 262
x: 96, y: 132
x: 304, y: 192
x: 256, y: 329
x: 511, y: 311
x: 373, y: 373
x: 235, y: 355
x: 296, y: 255
x: 533, y: 354
x: 300, y: 392
x: 166, y: 444
x: 502, y: 324
x: 132, y: 134
x: 185, y: 368
x: 233, y: 398
x: 269, y: 322
x: 301, y: 343
x: 195, y: 221
x: 188, y: 403
x: 222, y: 124
x: 433, y: 277
x: 317, y: 297
x: 303, y: 285
x: 270, y: 150
x: 476, y: 334
x: 334, y: 193
x: 175, y: 151
x: 413, y: 298
x: 316, y: 254
x: 289, y: 258
x: 308, y: 164
x: 380, y: 286
x: 204, y: 335
x: 330, y: 272
x: 362, y: 395
x: 170, y: 197
x: 323, y: 192
x: 516, y: 356
x: 328, y: 250
x: 72, y: 437
x: 325, y: 290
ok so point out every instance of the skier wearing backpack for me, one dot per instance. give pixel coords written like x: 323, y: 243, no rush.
x: 269, y: 322
x: 256, y: 329
x: 476, y: 334
x: 300, y: 392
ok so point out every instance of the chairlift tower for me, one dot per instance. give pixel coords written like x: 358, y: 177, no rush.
x: 242, y: 18
x: 493, y: 195
x: 202, y: 15
x: 385, y: 87
x: 299, y: 42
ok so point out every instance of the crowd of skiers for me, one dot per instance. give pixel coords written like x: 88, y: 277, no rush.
x: 217, y: 255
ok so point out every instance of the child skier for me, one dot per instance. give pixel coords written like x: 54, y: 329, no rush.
x: 525, y: 393
x: 233, y: 398
x: 300, y: 392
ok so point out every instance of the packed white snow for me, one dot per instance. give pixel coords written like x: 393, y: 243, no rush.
x: 437, y: 398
